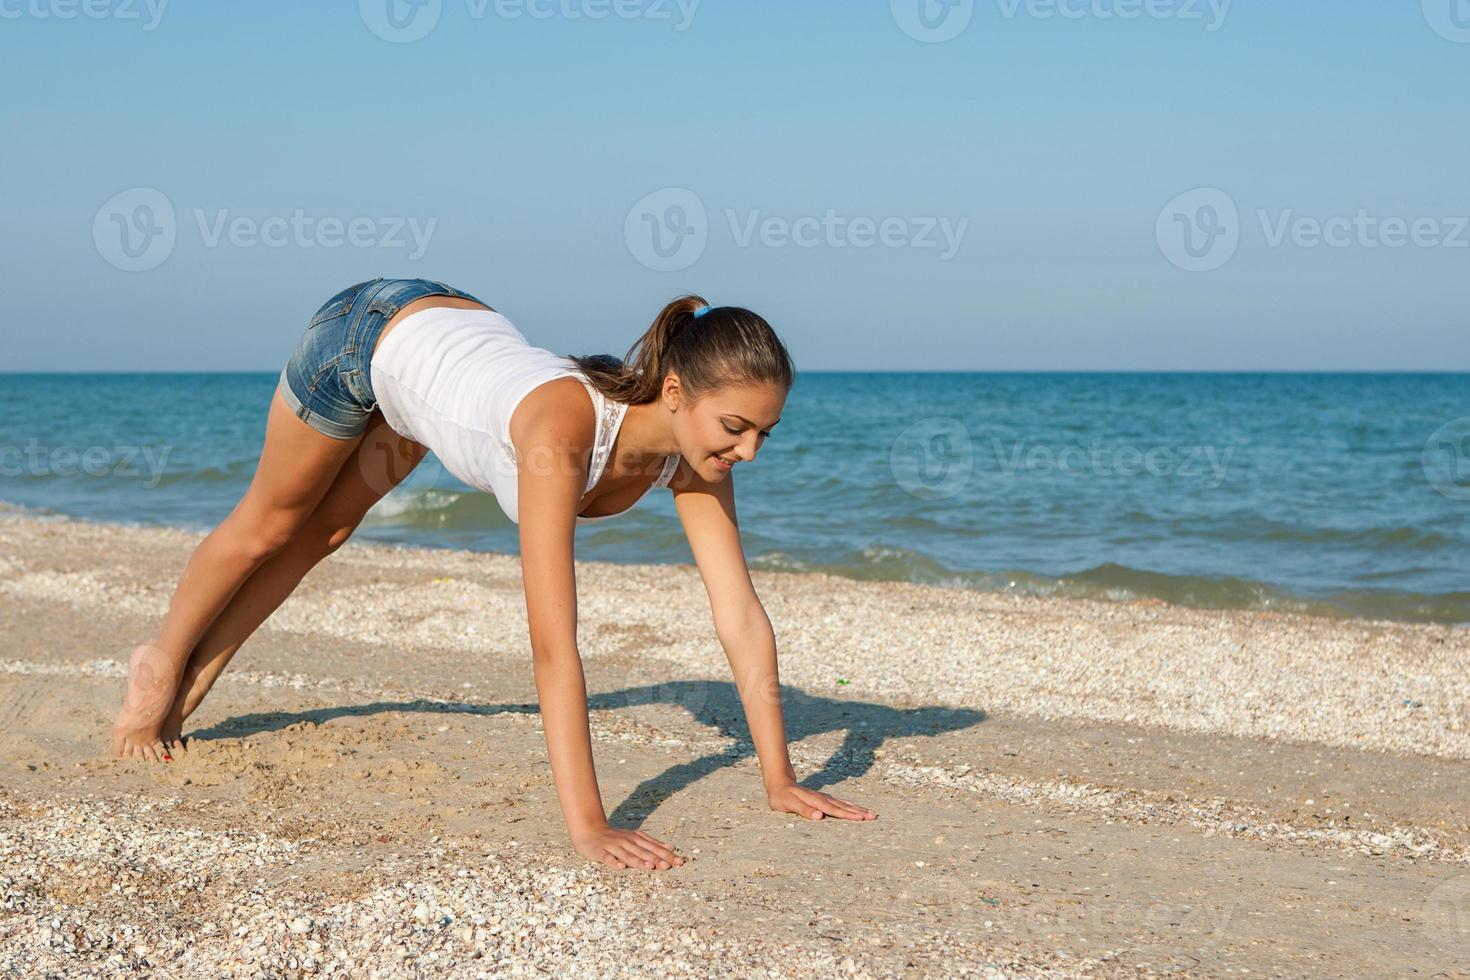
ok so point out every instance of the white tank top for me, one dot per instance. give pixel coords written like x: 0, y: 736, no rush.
x: 450, y: 379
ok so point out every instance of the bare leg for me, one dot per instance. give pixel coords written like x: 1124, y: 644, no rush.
x: 383, y: 460
x: 297, y: 466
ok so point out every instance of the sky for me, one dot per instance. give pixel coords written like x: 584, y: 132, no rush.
x: 982, y: 185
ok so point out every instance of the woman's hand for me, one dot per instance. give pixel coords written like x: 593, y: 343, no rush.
x: 625, y: 848
x: 813, y: 805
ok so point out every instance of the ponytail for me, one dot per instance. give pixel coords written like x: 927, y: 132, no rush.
x: 708, y: 347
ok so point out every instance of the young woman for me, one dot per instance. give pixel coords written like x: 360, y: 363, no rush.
x: 390, y: 369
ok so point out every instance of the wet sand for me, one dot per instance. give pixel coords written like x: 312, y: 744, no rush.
x: 1064, y: 787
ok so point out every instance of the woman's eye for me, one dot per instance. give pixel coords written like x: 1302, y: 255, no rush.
x: 733, y: 432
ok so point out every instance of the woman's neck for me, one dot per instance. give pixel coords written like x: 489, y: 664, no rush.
x: 644, y: 439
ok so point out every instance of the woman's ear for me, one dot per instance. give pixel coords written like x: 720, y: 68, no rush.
x: 671, y: 393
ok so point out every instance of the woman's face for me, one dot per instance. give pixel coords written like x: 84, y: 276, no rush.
x: 728, y: 426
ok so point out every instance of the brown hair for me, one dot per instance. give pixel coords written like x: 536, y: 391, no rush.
x: 724, y: 346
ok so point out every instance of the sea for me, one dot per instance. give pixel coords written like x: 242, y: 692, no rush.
x: 1342, y: 495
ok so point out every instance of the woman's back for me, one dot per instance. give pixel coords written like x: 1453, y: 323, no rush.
x: 451, y: 378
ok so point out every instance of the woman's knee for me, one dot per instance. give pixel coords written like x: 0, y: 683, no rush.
x: 337, y: 536
x: 260, y: 539
x: 323, y: 534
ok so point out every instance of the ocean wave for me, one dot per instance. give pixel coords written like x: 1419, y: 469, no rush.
x: 1396, y: 536
x: 434, y: 508
x: 31, y: 511
x: 237, y: 471
x: 1121, y: 583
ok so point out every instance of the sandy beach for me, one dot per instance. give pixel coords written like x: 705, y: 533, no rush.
x: 1064, y: 788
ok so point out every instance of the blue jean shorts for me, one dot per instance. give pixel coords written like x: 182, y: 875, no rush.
x: 328, y: 379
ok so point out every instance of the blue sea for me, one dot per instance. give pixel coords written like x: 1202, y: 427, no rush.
x: 1343, y: 495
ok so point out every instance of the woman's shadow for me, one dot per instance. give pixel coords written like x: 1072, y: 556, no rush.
x: 714, y: 704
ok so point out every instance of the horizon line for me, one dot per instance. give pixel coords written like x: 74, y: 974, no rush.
x: 800, y: 372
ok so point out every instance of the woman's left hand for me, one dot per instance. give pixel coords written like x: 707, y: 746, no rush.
x: 814, y: 805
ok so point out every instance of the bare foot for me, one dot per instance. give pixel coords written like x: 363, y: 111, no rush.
x: 192, y: 689
x: 137, y: 731
x: 173, y: 744
x: 171, y: 732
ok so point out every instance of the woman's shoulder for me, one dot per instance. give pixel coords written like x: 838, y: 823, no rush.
x: 558, y: 411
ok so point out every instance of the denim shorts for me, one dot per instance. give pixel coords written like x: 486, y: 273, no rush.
x: 328, y: 379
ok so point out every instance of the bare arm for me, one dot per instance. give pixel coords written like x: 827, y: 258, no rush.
x: 551, y: 474
x: 707, y: 512
x: 549, y: 491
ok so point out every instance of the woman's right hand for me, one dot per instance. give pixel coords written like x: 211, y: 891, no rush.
x: 625, y: 849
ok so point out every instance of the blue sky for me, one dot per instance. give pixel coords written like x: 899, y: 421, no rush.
x: 1010, y: 198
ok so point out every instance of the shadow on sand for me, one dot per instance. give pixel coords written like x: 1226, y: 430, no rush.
x: 714, y: 704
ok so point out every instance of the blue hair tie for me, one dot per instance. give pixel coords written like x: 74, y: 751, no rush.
x: 701, y: 312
